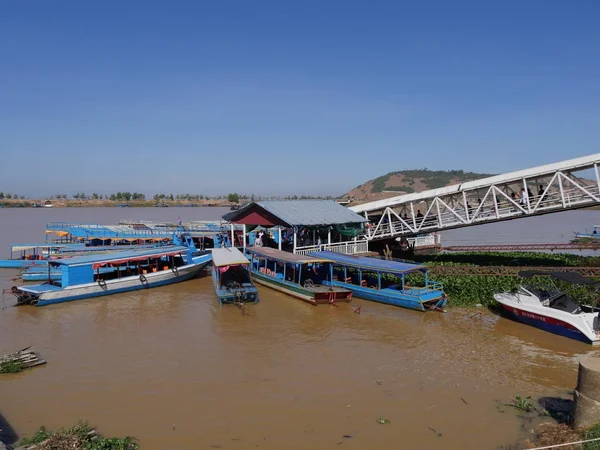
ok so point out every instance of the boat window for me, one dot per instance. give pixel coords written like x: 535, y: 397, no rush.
x: 543, y: 292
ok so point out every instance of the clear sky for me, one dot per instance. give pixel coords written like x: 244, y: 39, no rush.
x: 282, y: 97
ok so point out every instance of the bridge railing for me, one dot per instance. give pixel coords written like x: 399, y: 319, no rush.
x: 346, y: 248
x: 450, y: 211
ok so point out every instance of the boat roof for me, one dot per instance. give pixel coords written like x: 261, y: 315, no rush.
x: 120, y: 256
x: 366, y: 262
x: 288, y: 257
x: 568, y: 277
x: 22, y: 247
x: 228, y: 256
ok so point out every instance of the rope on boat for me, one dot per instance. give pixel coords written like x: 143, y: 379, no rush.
x: 564, y: 445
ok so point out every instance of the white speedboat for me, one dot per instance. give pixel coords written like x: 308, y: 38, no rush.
x: 550, y: 309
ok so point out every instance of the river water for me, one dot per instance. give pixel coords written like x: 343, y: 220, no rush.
x: 174, y: 369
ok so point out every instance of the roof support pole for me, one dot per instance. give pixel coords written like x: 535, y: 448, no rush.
x: 329, y: 234
x: 465, y: 204
x: 597, y: 178
x: 244, y: 233
x: 232, y: 236
x: 278, y: 236
x: 294, y: 231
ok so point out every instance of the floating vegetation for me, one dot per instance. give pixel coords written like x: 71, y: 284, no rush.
x: 78, y: 437
x: 522, y: 404
x: 11, y: 366
x: 383, y: 421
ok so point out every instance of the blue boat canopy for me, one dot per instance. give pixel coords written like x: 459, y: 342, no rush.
x: 286, y: 257
x: 120, y: 256
x: 365, y: 262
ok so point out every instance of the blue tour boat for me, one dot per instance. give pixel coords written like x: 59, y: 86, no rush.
x: 364, y: 276
x: 231, y: 276
x: 82, y: 278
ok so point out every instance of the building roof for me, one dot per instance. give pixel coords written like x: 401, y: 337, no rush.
x: 287, y: 257
x: 297, y: 213
x: 370, y: 263
x: 118, y: 256
x: 228, y: 256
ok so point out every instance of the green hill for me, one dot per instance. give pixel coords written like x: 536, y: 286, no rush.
x: 409, y: 181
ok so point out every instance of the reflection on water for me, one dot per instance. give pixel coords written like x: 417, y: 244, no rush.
x: 173, y: 368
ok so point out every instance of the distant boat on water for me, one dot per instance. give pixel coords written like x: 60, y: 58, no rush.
x: 48, y: 204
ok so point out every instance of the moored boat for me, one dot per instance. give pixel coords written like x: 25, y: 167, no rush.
x: 592, y: 236
x: 231, y: 276
x: 81, y: 277
x: 296, y: 275
x: 27, y: 255
x: 366, y: 278
x: 550, y: 309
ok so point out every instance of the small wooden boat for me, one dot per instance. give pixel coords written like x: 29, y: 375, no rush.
x: 231, y: 276
x: 297, y: 275
x: 550, y: 309
x: 365, y: 277
x: 81, y: 277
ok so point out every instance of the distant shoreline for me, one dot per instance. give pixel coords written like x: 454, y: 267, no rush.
x: 12, y: 203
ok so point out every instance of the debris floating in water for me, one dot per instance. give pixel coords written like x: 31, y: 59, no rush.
x: 18, y: 361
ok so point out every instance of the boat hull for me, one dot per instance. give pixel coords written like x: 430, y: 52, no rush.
x: 554, y: 326
x: 390, y: 298
x: 118, y: 286
x: 299, y: 292
x: 247, y: 293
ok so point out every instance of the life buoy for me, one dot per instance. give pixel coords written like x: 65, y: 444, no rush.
x: 143, y: 279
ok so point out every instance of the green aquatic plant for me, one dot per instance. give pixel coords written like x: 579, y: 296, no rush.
x: 40, y: 436
x: 522, y: 404
x: 11, y: 366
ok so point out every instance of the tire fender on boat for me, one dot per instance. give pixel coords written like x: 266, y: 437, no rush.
x: 143, y: 279
x: 175, y: 270
x: 102, y: 283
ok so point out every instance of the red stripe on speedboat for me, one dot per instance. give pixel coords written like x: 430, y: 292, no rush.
x: 530, y: 315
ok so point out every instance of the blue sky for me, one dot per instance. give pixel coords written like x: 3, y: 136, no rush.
x: 273, y: 97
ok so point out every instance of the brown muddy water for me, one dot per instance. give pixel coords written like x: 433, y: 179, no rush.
x: 174, y: 369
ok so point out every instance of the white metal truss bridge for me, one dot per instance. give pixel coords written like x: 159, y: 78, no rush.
x: 550, y: 188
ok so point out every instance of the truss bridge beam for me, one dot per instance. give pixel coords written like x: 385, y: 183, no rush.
x: 540, y: 190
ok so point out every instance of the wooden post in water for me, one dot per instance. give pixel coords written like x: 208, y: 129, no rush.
x: 586, y: 411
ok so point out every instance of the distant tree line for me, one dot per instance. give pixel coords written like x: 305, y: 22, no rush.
x: 9, y: 196
x: 233, y: 197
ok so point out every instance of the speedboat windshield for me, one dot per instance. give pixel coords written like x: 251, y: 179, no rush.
x: 542, y: 292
